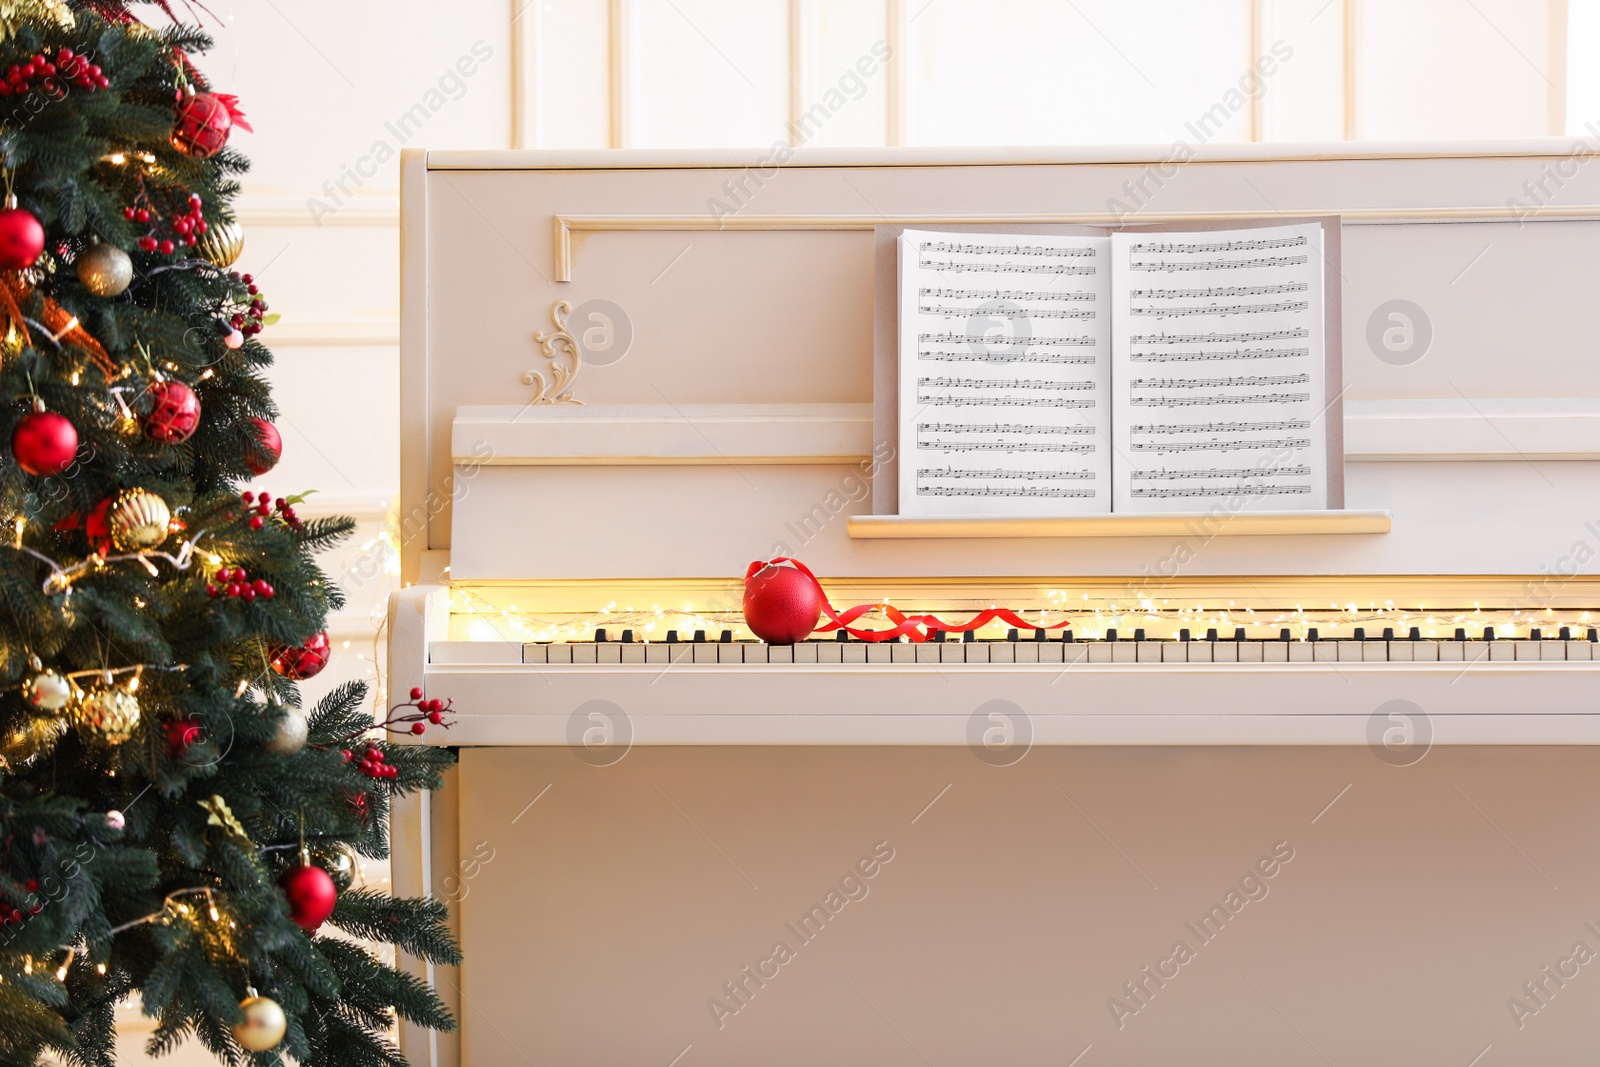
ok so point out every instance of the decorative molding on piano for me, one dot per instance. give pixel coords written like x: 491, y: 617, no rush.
x: 1180, y: 524
x: 718, y: 434
x: 558, y: 345
x: 662, y: 434
x: 564, y: 226
x: 1464, y: 429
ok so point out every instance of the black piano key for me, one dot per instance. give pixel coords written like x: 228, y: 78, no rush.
x: 672, y: 637
x: 1388, y: 633
x: 1183, y: 634
x: 1138, y: 634
x: 935, y: 635
x: 726, y: 637
x: 1415, y: 634
x: 1566, y: 633
x: 1361, y: 633
x: 1461, y: 633
x: 627, y: 637
x: 840, y: 635
x: 1211, y: 633
x: 1040, y: 635
x: 1238, y: 633
x: 699, y: 637
x: 1285, y: 635
x: 1066, y: 636
x: 1594, y: 634
x: 1312, y: 635
x: 1535, y: 634
x: 1111, y: 634
x: 600, y: 636
x: 1011, y: 635
x: 969, y: 636
x: 1488, y: 633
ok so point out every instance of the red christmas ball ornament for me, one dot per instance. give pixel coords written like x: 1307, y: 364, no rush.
x: 21, y: 237
x: 304, y: 660
x: 180, y: 734
x: 269, y: 448
x: 203, y: 124
x: 311, y: 893
x: 44, y: 442
x: 781, y: 604
x: 175, y: 414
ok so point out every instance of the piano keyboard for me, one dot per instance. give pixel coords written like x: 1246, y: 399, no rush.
x: 1051, y: 647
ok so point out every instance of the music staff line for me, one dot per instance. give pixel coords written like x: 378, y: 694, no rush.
x: 1073, y: 447
x: 1007, y: 313
x: 1202, y: 356
x: 1219, y: 427
x: 1295, y: 334
x: 1001, y: 383
x: 1214, y: 491
x: 1086, y: 296
x: 961, y: 338
x: 1179, y: 267
x: 948, y: 266
x: 958, y: 248
x: 1219, y: 292
x: 1255, y: 244
x: 1221, y: 312
x: 1004, y: 427
x: 945, y: 355
x: 1230, y: 382
x: 1042, y: 491
x: 1218, y: 445
x: 1219, y: 401
x: 959, y: 473
x: 1202, y: 473
x: 944, y: 400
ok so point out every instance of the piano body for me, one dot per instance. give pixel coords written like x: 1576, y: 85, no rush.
x: 627, y: 375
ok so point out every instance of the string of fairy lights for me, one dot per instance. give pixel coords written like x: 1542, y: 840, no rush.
x: 476, y: 617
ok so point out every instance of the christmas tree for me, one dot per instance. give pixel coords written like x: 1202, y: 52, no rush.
x: 172, y: 823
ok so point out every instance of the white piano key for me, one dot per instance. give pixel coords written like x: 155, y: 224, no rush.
x: 610, y: 652
x: 1402, y: 651
x: 1099, y: 652
x: 1325, y: 651
x: 1201, y: 651
x: 951, y: 652
x: 1500, y: 651
x: 656, y: 652
x: 855, y: 652
x: 633, y: 653
x: 902, y: 653
x: 805, y: 652
x: 1051, y: 652
x: 927, y: 652
x: 1525, y: 650
x: 1424, y: 651
x: 558, y: 654
x: 878, y: 652
x: 1553, y: 650
x: 780, y: 653
x: 1303, y: 651
x: 1579, y: 650
x: 732, y: 652
x: 1473, y: 651
x: 1375, y: 651
x: 1224, y: 651
x: 1073, y: 652
x: 1275, y: 651
x: 1348, y: 651
x: 830, y: 652
x: 583, y: 653
x: 532, y: 653
x: 1148, y: 651
x: 1125, y: 652
x: 1000, y: 651
x: 1253, y: 651
x: 1174, y: 652
x: 1028, y: 651
x: 1452, y: 651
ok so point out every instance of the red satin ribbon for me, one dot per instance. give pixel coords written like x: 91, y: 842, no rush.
x: 913, y: 627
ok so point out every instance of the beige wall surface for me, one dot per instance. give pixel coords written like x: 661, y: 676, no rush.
x: 604, y: 908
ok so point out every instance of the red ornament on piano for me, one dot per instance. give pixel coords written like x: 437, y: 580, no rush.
x: 781, y: 603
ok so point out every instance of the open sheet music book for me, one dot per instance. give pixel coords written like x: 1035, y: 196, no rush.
x: 1156, y: 370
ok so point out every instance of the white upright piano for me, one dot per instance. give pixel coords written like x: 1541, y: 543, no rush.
x: 1301, y: 788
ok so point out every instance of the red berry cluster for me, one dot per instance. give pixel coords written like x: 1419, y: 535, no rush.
x: 234, y: 582
x: 14, y: 916
x: 186, y: 228
x: 432, y: 710
x: 265, y: 505
x: 371, y: 764
x: 74, y: 68
x: 248, y: 306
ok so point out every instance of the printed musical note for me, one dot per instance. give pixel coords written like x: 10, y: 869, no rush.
x: 1220, y: 444
x: 1182, y: 356
x: 1192, y: 473
x: 1214, y: 491
x: 1006, y: 268
x: 946, y: 355
x: 1082, y: 448
x: 1219, y: 310
x: 1072, y: 251
x: 1220, y: 292
x: 1294, y: 333
x: 1002, y: 383
x: 1218, y: 400
x: 1004, y: 472
x: 1042, y: 491
x: 1205, y: 248
x: 1006, y: 294
x: 1250, y: 381
x: 1218, y: 427
x: 1220, y: 264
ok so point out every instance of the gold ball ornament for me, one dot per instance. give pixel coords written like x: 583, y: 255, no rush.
x: 47, y: 691
x: 222, y: 244
x: 291, y: 734
x: 263, y: 1026
x: 137, y: 519
x: 105, y: 269
x: 109, y: 715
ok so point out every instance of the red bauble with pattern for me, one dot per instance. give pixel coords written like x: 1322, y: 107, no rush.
x: 781, y: 604
x: 311, y: 894
x: 268, y: 447
x: 175, y: 414
x: 180, y: 734
x: 21, y: 239
x: 304, y: 660
x: 44, y: 443
x: 203, y: 124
